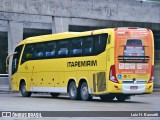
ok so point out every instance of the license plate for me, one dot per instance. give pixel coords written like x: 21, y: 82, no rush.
x: 133, y: 87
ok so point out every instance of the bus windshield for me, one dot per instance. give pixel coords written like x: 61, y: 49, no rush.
x: 16, y: 57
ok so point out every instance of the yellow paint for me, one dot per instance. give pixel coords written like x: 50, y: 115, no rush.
x: 55, y: 73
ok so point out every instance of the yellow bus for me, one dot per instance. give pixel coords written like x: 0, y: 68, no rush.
x: 109, y: 63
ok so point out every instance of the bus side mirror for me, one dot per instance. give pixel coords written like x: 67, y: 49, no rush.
x: 7, y: 61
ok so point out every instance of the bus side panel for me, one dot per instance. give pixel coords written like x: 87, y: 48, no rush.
x: 25, y: 73
x: 110, y: 61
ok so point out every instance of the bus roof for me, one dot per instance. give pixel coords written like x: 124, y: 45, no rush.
x: 64, y: 35
x: 58, y: 36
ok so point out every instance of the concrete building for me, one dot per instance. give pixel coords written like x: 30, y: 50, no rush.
x: 24, y: 18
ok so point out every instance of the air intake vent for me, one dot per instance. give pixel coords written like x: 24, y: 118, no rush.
x: 94, y: 82
x: 99, y: 82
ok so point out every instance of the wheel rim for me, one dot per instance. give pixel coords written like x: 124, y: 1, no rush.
x: 73, y: 91
x: 85, y: 92
x: 24, y: 88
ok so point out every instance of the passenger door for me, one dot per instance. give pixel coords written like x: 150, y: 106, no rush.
x: 26, y: 64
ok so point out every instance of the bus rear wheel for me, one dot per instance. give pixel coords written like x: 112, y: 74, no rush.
x: 54, y: 95
x: 107, y: 97
x: 84, y: 92
x: 24, y: 91
x: 73, y: 91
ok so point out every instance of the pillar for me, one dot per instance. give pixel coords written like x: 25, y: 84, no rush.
x: 15, y: 35
x: 60, y: 24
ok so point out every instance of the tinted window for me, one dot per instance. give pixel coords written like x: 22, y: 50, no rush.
x: 28, y: 53
x: 88, y: 45
x: 72, y: 47
x: 16, y: 58
x: 38, y: 51
x: 50, y: 49
x: 133, y: 42
x: 76, y: 47
x: 100, y: 43
x: 62, y: 50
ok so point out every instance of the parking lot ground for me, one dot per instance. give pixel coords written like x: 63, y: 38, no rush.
x: 10, y: 101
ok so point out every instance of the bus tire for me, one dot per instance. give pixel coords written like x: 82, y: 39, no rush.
x: 54, y: 95
x: 23, y: 90
x: 85, y: 96
x: 121, y: 98
x: 107, y: 97
x: 73, y: 91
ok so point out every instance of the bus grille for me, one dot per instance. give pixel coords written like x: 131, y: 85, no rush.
x: 99, y: 82
x: 94, y: 83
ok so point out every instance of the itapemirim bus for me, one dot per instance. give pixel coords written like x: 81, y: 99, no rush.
x: 109, y: 63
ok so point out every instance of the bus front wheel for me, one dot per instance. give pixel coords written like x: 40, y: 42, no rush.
x: 24, y: 91
x: 84, y: 92
x: 73, y: 91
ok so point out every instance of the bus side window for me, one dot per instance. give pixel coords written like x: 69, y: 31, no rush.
x: 100, y: 43
x: 76, y: 47
x: 38, y: 50
x: 62, y: 50
x: 49, y: 49
x: 29, y: 56
x: 88, y: 45
x: 28, y: 53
